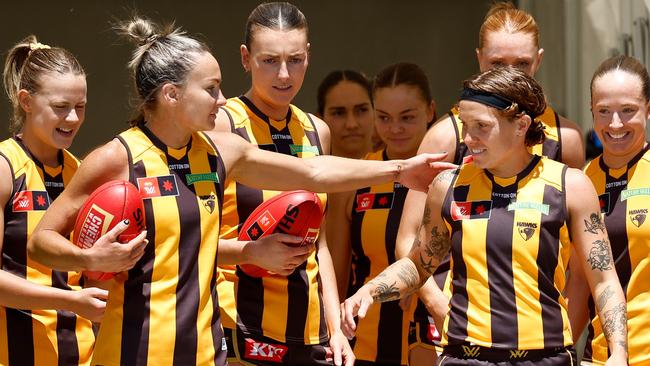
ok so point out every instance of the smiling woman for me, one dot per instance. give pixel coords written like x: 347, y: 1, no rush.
x: 47, y: 88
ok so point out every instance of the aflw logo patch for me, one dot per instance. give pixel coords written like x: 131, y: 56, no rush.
x: 31, y: 201
x: 261, y: 226
x: 264, y: 351
x: 470, y: 210
x: 373, y: 201
x: 638, y: 216
x: 158, y: 186
x: 526, y: 229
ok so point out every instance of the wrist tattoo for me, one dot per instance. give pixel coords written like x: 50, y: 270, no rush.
x: 385, y: 292
x: 615, y: 321
x: 600, y: 255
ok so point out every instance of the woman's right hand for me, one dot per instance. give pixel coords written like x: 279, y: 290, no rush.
x: 109, y: 255
x: 276, y: 253
x: 89, y: 303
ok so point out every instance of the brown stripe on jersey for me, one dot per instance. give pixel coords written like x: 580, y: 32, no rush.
x: 551, y: 149
x: 250, y: 301
x: 312, y: 136
x: 498, y: 251
x: 20, y: 337
x: 360, y: 262
x: 189, y: 242
x: 457, y: 325
x: 547, y: 261
x: 389, y: 329
x: 297, y: 303
x: 137, y: 289
x: 558, y: 156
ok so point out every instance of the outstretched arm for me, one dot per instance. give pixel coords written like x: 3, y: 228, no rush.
x: 594, y: 252
x: 407, y: 274
x: 325, y: 173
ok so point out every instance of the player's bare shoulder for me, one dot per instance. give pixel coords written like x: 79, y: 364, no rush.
x: 440, y: 137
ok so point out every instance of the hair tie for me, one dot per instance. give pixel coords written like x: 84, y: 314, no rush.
x: 38, y: 46
x: 151, y: 39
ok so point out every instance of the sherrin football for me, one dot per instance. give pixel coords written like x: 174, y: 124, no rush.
x: 109, y: 204
x: 296, y: 213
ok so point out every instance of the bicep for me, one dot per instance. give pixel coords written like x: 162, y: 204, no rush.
x: 410, y: 221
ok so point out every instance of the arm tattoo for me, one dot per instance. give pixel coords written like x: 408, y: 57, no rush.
x: 603, y: 297
x: 427, y: 265
x: 615, y: 321
x: 600, y: 256
x: 438, y: 245
x: 408, y: 275
x: 385, y: 292
x: 595, y: 224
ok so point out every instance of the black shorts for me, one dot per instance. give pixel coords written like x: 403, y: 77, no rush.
x: 423, y: 333
x: 479, y: 356
x: 264, y: 351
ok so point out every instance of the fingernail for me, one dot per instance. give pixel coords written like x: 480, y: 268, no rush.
x: 126, y: 221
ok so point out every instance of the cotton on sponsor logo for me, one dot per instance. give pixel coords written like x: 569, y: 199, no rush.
x: 264, y: 351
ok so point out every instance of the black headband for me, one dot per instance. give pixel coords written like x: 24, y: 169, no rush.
x: 487, y: 98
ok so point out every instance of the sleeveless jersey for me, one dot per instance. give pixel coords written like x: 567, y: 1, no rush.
x: 382, y: 336
x: 38, y: 337
x: 624, y: 195
x: 261, y: 306
x: 509, y: 253
x: 550, y: 148
x: 164, y: 311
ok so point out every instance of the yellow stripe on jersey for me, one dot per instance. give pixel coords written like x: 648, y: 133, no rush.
x: 624, y: 195
x: 382, y: 336
x: 163, y: 310
x: 34, y: 337
x: 262, y: 305
x: 506, y: 285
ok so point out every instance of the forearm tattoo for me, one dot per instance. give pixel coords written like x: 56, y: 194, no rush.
x: 600, y: 255
x: 385, y: 292
x: 595, y: 224
x: 603, y: 297
x: 615, y: 322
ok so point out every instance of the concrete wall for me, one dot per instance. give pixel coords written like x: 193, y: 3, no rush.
x: 365, y: 35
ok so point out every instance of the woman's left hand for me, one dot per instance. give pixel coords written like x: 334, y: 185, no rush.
x: 341, y: 350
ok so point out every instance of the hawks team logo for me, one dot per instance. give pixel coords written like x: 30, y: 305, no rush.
x: 208, y: 202
x: 638, y: 216
x: 31, y: 201
x: 470, y: 210
x: 526, y: 229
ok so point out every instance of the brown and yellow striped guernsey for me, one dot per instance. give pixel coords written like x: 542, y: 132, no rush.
x: 382, y: 336
x: 550, y: 148
x: 509, y: 254
x: 165, y: 311
x: 624, y: 195
x: 274, y: 306
x: 38, y: 337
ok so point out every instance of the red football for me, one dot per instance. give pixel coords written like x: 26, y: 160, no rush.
x: 109, y: 204
x: 297, y: 213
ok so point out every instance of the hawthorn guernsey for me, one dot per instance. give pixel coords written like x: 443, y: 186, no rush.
x: 109, y: 204
x: 296, y: 213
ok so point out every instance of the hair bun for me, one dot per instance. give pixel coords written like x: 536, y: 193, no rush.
x: 141, y: 31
